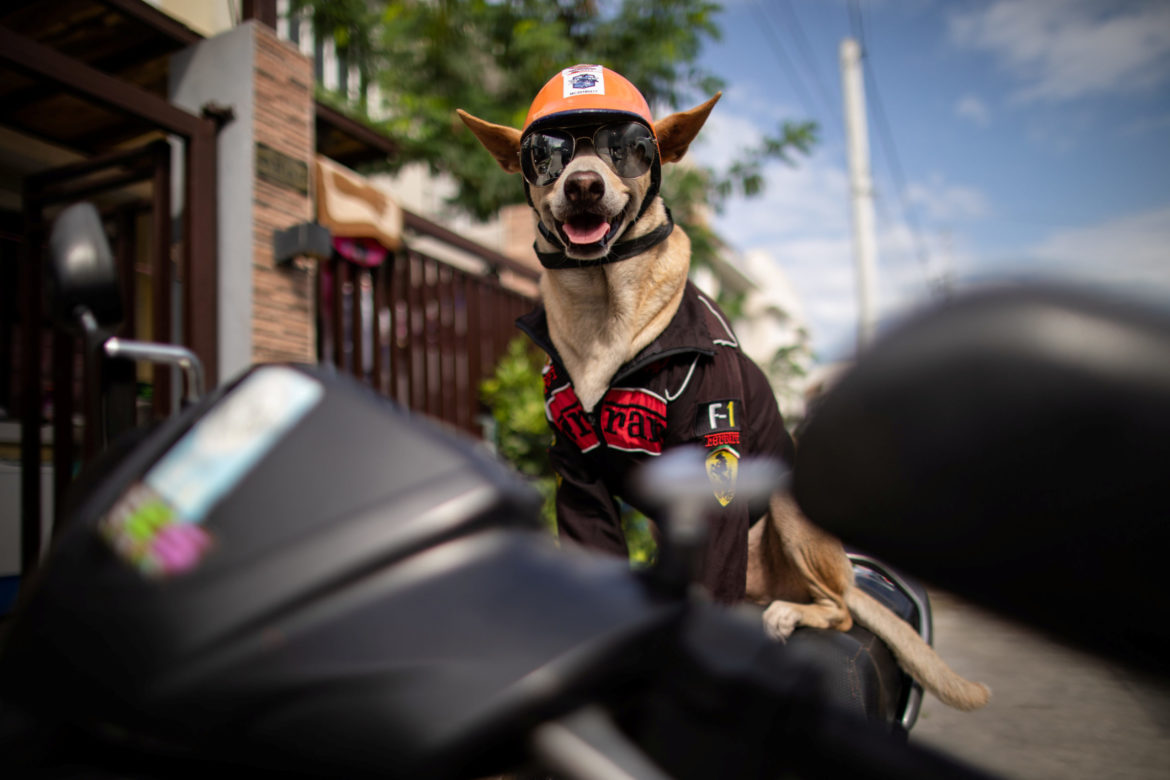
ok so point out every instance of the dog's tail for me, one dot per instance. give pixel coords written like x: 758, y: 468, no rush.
x: 914, y: 655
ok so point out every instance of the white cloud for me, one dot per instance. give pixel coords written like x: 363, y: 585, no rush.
x: 939, y: 201
x: 738, y: 122
x: 1075, y: 48
x: 1131, y: 252
x: 724, y: 137
x: 974, y: 109
x: 803, y: 221
x: 1127, y: 255
x: 1150, y: 124
x: 808, y: 200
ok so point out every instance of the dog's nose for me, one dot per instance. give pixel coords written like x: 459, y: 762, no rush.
x: 584, y: 188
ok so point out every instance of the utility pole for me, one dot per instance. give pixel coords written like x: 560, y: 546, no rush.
x: 860, y: 189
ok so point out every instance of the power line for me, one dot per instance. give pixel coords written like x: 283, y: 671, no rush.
x: 832, y: 107
x: 886, y: 136
x: 856, y: 23
x: 891, y: 151
x: 785, y: 62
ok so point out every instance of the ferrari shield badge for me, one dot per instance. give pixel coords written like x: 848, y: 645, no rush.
x: 722, y: 468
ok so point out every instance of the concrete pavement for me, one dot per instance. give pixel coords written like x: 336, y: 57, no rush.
x: 1055, y: 712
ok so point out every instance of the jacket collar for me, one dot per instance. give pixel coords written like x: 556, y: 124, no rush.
x: 697, y: 327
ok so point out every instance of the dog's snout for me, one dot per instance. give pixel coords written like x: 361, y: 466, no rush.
x: 584, y: 188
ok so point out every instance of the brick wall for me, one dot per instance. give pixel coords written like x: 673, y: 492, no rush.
x: 283, y: 303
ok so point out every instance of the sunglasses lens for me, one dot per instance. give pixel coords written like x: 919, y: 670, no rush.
x: 628, y: 147
x: 543, y: 156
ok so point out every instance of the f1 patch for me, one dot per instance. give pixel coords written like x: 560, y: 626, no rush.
x: 722, y: 470
x: 718, y: 422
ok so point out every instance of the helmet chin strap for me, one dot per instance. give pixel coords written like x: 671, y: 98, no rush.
x: 622, y: 250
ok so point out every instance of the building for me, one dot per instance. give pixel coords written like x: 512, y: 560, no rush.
x: 770, y: 325
x: 239, y: 228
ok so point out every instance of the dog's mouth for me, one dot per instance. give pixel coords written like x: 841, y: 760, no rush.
x: 588, y: 232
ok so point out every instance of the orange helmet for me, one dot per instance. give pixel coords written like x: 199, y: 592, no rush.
x: 588, y: 89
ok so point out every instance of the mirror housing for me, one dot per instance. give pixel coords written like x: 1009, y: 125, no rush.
x: 1012, y: 447
x: 81, y: 273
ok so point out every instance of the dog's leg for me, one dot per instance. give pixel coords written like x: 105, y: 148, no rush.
x: 791, y: 561
x: 801, y: 572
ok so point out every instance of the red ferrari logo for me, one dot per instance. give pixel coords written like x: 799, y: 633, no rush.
x: 633, y: 420
x: 565, y: 412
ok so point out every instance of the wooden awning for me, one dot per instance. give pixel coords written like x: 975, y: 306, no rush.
x: 349, y: 141
x: 351, y: 207
x: 132, y: 42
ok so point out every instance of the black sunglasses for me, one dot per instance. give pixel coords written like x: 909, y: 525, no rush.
x: 626, y: 147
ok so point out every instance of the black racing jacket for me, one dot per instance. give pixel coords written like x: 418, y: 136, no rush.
x: 692, y: 385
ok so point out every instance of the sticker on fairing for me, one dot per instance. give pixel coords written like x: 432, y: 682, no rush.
x: 156, y: 524
x: 145, y: 531
x: 583, y: 80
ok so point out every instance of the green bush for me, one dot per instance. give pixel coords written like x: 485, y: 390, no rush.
x: 515, y: 396
x: 639, y: 538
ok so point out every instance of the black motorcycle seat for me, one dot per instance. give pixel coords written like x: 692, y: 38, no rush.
x: 859, y: 673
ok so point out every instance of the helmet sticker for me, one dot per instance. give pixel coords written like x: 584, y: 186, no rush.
x: 583, y: 80
x: 588, y: 88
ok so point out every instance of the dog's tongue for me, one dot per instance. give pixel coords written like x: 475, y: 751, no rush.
x: 589, y: 233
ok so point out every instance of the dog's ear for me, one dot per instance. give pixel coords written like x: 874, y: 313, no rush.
x: 502, y: 141
x: 676, y: 131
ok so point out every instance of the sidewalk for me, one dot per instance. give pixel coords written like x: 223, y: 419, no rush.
x: 1054, y: 713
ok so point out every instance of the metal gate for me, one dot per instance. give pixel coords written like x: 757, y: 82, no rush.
x: 420, y: 331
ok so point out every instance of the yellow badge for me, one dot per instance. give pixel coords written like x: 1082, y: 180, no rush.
x: 722, y: 468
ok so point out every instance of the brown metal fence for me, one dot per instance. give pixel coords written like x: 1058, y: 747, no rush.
x: 419, y: 330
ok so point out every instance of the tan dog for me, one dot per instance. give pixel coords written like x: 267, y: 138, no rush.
x: 601, y: 316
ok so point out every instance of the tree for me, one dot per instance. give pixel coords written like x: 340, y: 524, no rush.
x: 430, y: 57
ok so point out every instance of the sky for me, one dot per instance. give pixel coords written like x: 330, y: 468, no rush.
x: 1009, y: 139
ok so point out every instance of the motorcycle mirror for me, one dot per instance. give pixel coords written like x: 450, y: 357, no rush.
x: 81, y: 271
x: 678, y: 482
x: 1012, y: 447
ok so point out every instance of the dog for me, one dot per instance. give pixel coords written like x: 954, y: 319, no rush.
x: 640, y: 361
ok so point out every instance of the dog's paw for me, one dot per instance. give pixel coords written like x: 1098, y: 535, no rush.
x: 780, y: 619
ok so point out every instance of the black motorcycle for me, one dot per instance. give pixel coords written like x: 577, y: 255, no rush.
x: 295, y: 576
